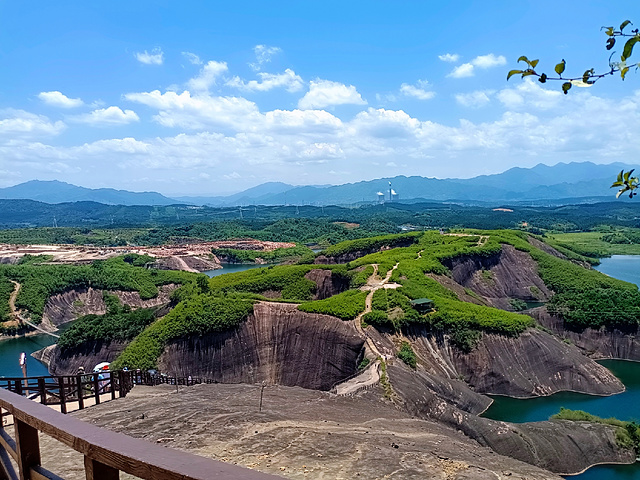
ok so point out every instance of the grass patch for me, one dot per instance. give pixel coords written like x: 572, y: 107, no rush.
x: 346, y: 305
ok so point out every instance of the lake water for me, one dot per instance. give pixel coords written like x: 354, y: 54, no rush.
x: 625, y: 406
x: 622, y: 267
x: 232, y: 268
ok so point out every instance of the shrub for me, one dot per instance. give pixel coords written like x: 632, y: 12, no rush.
x: 407, y: 355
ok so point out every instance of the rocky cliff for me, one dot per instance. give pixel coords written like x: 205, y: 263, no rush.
x: 509, y: 274
x: 72, y: 304
x: 87, y: 356
x: 559, y: 446
x: 277, y: 344
x: 597, y: 343
x: 327, y: 284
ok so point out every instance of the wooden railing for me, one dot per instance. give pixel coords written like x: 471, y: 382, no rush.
x: 106, y: 453
x: 63, y: 389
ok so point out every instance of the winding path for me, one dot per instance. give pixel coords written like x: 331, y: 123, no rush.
x: 15, y: 314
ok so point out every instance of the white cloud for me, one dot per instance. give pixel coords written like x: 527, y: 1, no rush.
x: 208, y: 76
x: 531, y: 94
x: 268, y: 81
x: 489, y: 61
x: 418, y: 91
x: 325, y: 93
x: 58, y: 99
x: 21, y: 124
x: 449, y: 57
x: 482, y: 61
x: 476, y: 99
x: 200, y: 111
x: 462, y: 71
x: 155, y: 57
x: 192, y: 58
x: 263, y: 54
x: 107, y: 116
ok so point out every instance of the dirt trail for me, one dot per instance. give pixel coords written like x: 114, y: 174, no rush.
x: 370, y: 375
x: 12, y: 299
x: 17, y: 319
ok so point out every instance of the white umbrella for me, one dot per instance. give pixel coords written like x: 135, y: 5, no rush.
x: 101, y: 366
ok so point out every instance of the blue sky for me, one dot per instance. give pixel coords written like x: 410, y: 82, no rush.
x: 206, y: 98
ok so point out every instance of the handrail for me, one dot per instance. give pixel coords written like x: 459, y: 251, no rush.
x: 105, y: 452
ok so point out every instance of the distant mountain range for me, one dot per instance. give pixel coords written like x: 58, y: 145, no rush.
x: 60, y: 192
x: 541, y: 184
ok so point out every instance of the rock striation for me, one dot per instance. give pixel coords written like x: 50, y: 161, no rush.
x: 277, y: 344
x: 72, y: 304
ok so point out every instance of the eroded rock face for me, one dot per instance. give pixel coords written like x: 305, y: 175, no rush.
x: 72, y: 304
x: 597, y: 343
x: 559, y: 446
x: 327, y: 284
x: 501, y: 277
x: 277, y: 344
x: 87, y: 356
x: 189, y: 263
x: 533, y: 364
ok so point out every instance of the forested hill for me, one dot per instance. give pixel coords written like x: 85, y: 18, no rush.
x: 386, y: 218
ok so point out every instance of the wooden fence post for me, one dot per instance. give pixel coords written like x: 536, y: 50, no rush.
x: 27, y: 447
x: 95, y: 470
x: 63, y: 395
x: 43, y: 390
x: 96, y: 388
x: 80, y: 392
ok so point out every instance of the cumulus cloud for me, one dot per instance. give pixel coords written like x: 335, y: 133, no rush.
x: 476, y: 99
x: 155, y: 57
x: 107, y: 116
x: 531, y: 94
x: 58, y: 99
x: 208, y: 76
x: 417, y: 91
x: 325, y: 93
x: 192, y: 58
x: 449, y: 57
x: 462, y: 71
x: 263, y: 54
x: 268, y: 81
x: 482, y: 61
x: 21, y: 124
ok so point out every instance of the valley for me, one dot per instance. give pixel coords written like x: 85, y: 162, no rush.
x: 343, y: 322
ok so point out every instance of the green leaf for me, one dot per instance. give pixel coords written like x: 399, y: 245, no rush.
x: 610, y: 43
x: 534, y: 63
x: 624, y: 24
x: 560, y: 67
x: 623, y: 72
x: 528, y: 72
x: 524, y: 59
x: 566, y: 86
x: 609, y: 31
x: 543, y: 78
x: 621, y: 192
x: 620, y: 176
x: 628, y: 47
x: 513, y: 72
x: 627, y: 175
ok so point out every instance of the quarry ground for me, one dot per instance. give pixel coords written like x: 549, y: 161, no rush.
x: 299, y: 434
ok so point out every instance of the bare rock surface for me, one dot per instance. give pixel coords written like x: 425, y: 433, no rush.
x: 501, y: 277
x: 277, y: 343
x: 88, y: 355
x: 532, y: 364
x: 560, y: 446
x: 299, y: 434
x: 597, y: 343
x: 72, y: 304
x: 327, y: 284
